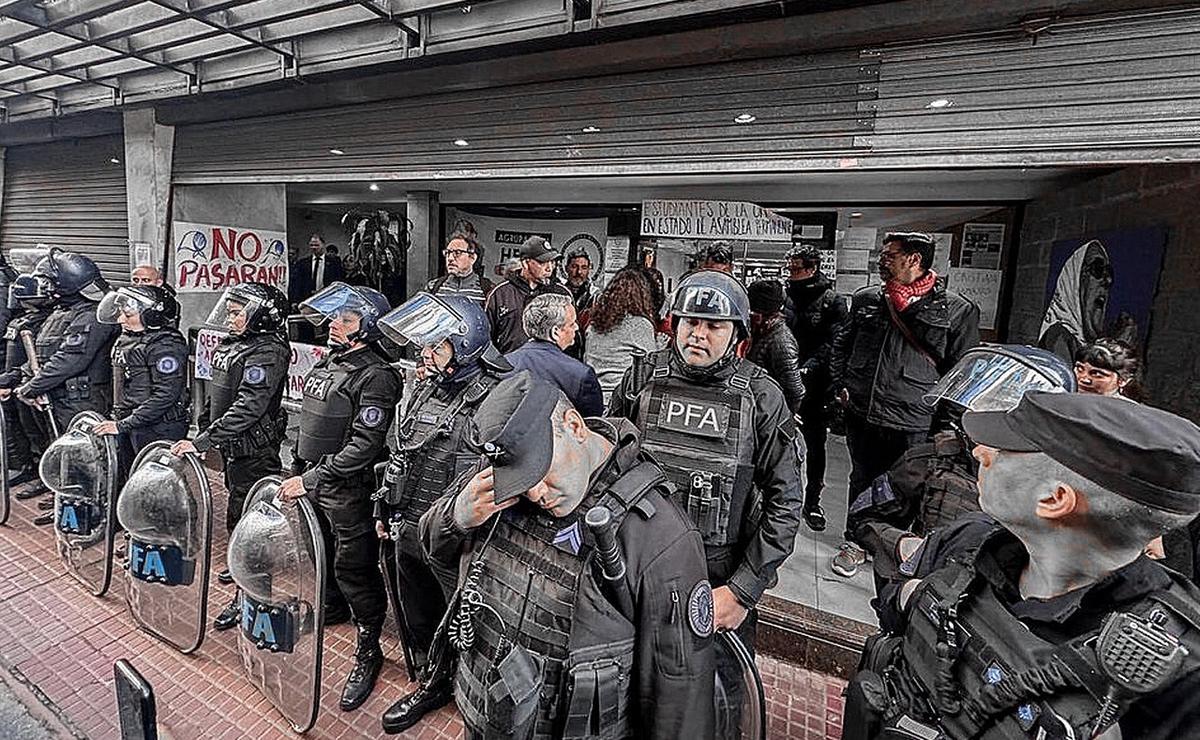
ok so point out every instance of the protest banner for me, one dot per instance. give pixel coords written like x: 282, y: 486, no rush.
x: 209, y: 258
x: 714, y: 219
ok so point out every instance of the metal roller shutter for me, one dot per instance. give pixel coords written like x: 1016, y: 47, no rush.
x: 69, y: 194
x: 1097, y: 90
x: 606, y: 124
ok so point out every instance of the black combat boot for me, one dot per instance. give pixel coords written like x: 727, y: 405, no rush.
x: 368, y: 660
x: 35, y: 489
x: 229, y: 616
x: 409, y: 710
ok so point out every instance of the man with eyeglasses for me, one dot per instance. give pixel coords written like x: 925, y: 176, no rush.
x: 461, y: 279
x: 899, y: 339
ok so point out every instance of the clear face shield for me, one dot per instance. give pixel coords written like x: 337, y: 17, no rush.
x: 347, y: 310
x: 24, y: 259
x: 424, y: 321
x: 120, y: 302
x: 991, y: 379
x: 233, y: 312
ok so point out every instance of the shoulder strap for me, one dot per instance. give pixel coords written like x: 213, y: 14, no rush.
x: 907, y: 332
x: 627, y: 492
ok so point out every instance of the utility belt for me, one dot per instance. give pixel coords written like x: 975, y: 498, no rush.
x: 266, y: 433
x: 78, y: 388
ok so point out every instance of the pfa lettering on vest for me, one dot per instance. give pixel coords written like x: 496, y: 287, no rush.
x: 691, y: 416
x: 316, y: 385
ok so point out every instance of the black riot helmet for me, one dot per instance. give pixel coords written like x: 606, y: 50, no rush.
x: 265, y: 308
x: 368, y: 304
x: 158, y: 307
x: 714, y: 296
x: 69, y: 274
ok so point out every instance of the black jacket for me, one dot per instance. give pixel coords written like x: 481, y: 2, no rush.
x: 750, y: 568
x: 773, y: 348
x: 886, y: 376
x: 300, y: 283
x: 504, y: 307
x: 261, y: 378
x: 154, y: 382
x: 817, y: 311
x: 664, y: 556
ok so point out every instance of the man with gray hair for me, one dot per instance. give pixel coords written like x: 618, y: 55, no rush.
x: 1042, y: 617
x: 549, y: 320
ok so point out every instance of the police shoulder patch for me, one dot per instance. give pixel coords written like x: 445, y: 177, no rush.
x: 254, y: 374
x: 167, y: 365
x: 700, y: 609
x: 75, y: 339
x: 371, y: 416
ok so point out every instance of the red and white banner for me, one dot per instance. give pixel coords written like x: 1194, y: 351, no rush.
x: 304, y: 357
x: 209, y: 258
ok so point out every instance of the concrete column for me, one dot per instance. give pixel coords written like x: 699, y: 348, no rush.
x: 2, y: 151
x: 149, y: 148
x: 425, y: 214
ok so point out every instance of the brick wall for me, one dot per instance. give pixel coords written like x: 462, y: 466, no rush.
x: 1152, y: 195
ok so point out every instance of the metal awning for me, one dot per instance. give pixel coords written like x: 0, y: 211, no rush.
x: 64, y: 56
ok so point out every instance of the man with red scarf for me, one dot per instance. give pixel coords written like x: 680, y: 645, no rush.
x: 895, y: 344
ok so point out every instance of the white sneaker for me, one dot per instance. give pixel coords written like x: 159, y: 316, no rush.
x: 847, y: 560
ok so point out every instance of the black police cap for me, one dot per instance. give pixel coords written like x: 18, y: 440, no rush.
x: 514, y: 430
x: 1141, y: 453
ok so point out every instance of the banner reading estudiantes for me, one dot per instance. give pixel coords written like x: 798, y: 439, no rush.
x: 714, y: 219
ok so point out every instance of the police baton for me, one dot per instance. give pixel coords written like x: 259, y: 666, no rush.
x: 35, y: 367
x: 612, y: 562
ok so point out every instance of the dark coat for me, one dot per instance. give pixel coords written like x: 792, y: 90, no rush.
x: 773, y: 348
x: 300, y: 282
x: 885, y: 375
x: 817, y: 311
x: 504, y: 306
x: 578, y: 381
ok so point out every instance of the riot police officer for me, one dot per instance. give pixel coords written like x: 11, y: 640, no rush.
x: 721, y: 429
x: 1042, y: 618
x: 72, y: 346
x: 27, y: 432
x: 349, y: 400
x: 246, y: 418
x: 585, y: 610
x: 150, y: 393
x: 935, y: 483
x: 429, y: 453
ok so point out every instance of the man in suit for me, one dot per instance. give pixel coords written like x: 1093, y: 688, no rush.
x: 313, y: 273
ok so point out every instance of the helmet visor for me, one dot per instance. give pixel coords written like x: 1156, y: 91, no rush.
x: 423, y: 320
x: 989, y: 380
x: 234, y: 311
x: 121, y: 301
x: 24, y: 259
x: 335, y: 301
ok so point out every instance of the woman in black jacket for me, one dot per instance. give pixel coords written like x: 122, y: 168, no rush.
x: 772, y: 345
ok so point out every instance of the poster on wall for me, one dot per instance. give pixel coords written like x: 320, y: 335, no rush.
x: 1101, y: 285
x: 502, y: 237
x: 982, y: 287
x: 714, y: 219
x: 982, y: 246
x: 208, y: 258
x: 854, y: 258
x: 818, y: 229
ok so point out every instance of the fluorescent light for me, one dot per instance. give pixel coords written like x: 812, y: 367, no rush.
x: 856, y: 214
x: 591, y: 130
x: 114, y: 160
x: 939, y: 103
x: 338, y: 152
x: 461, y: 142
x: 746, y: 118
x: 373, y: 187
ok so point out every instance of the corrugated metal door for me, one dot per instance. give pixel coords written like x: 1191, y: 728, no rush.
x: 69, y: 194
x: 1089, y: 91
x: 685, y: 119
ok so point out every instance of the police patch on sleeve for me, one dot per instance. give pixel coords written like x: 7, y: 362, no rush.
x: 371, y: 416
x: 167, y: 365
x: 700, y: 609
x: 254, y: 374
x: 74, y: 340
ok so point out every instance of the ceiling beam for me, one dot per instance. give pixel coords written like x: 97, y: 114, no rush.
x: 383, y: 9
x: 47, y: 69
x: 250, y: 34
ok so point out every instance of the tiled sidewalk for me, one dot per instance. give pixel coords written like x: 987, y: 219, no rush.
x: 61, y: 643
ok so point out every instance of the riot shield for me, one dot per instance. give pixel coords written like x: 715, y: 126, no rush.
x: 277, y: 558
x: 81, y: 469
x: 4, y: 500
x: 741, y: 707
x: 166, y: 508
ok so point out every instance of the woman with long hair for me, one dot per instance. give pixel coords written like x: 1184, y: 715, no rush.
x: 621, y: 326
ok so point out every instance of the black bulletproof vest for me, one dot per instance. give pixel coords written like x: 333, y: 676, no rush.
x: 94, y: 383
x: 30, y: 321
x: 525, y: 590
x: 975, y: 670
x: 132, y: 379
x: 703, y: 437
x: 327, y: 410
x: 429, y: 450
x: 950, y: 484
